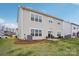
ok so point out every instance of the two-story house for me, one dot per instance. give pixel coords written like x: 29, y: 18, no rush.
x: 37, y: 24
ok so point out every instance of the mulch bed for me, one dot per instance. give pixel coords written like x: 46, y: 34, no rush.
x: 18, y: 41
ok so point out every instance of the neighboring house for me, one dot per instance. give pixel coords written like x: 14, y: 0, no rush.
x: 1, y: 30
x: 75, y: 30
x: 6, y: 30
x: 67, y: 29
x: 37, y: 25
x: 10, y: 31
x: 70, y: 29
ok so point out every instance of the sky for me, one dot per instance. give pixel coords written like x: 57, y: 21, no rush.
x: 65, y: 11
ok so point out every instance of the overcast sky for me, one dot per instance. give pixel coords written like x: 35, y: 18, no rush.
x: 67, y: 12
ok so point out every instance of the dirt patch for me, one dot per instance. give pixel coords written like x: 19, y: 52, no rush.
x: 30, y: 42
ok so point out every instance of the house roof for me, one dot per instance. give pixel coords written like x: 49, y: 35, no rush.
x: 36, y: 11
x: 74, y: 24
x: 39, y: 12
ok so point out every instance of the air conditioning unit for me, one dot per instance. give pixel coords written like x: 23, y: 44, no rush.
x: 29, y: 37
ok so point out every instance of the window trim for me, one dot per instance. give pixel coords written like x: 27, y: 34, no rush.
x: 32, y: 32
x: 40, y: 18
x: 50, y: 21
x: 36, y: 16
x: 38, y: 32
x: 32, y: 16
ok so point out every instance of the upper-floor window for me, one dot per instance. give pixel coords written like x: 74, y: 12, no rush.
x: 32, y: 17
x: 36, y: 18
x: 59, y: 23
x: 50, y: 21
x: 40, y: 18
x: 74, y: 28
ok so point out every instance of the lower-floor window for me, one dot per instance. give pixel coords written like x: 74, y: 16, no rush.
x: 36, y: 32
x: 58, y: 33
x: 40, y: 32
x: 74, y: 34
x: 32, y: 32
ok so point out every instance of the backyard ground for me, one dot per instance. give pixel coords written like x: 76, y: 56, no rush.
x: 65, y: 47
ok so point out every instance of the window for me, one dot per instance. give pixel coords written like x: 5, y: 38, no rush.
x: 74, y: 28
x: 58, y: 23
x: 40, y: 19
x: 36, y: 18
x: 74, y: 34
x: 32, y: 32
x: 32, y: 17
x: 58, y: 33
x: 36, y: 32
x: 40, y: 33
x: 50, y: 21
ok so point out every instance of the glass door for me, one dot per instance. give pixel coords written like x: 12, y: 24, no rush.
x: 50, y: 34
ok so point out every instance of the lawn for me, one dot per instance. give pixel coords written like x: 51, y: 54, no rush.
x: 67, y: 47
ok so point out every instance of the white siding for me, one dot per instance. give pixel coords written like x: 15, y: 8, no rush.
x: 25, y: 25
x: 75, y: 30
x: 66, y: 28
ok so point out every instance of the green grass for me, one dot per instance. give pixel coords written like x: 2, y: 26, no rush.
x: 66, y: 47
